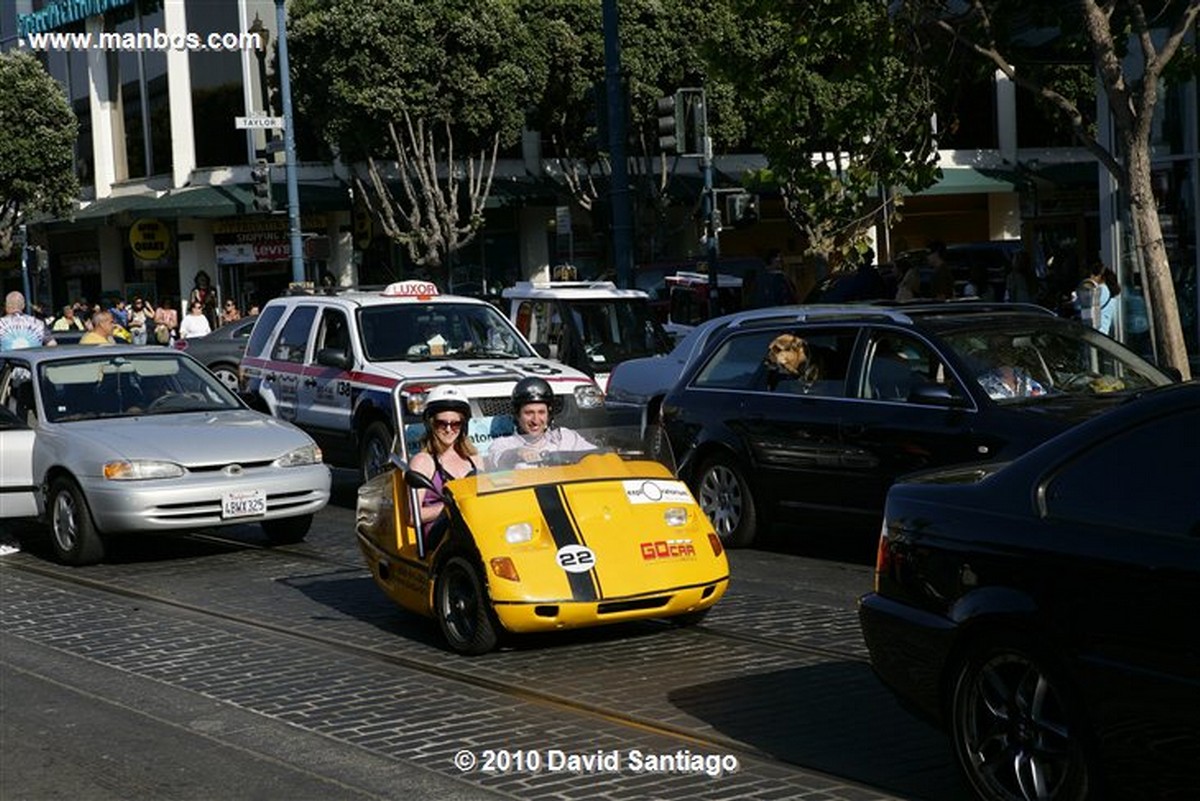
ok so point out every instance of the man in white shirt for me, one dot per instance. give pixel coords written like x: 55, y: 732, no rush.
x: 531, y: 400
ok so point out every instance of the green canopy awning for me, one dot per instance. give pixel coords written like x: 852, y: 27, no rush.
x: 971, y: 180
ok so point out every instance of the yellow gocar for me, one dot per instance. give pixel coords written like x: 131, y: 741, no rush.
x: 596, y: 537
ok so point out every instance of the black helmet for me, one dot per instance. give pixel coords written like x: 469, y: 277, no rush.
x: 446, y: 397
x: 531, y: 390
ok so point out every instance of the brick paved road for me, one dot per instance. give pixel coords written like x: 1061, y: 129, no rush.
x: 822, y: 724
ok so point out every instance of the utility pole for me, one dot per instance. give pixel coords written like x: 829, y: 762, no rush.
x: 712, y: 223
x: 289, y: 146
x: 619, y: 191
x: 23, y: 239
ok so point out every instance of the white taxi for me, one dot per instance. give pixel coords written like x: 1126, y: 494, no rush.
x: 328, y: 362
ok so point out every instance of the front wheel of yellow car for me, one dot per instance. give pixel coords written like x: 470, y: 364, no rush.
x: 462, y: 609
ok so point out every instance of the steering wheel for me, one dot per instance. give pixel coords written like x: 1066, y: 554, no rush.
x: 173, y: 399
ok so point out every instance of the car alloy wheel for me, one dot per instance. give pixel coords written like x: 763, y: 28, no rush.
x: 226, y: 375
x: 726, y: 499
x: 73, y: 534
x: 1016, y: 731
x: 461, y: 608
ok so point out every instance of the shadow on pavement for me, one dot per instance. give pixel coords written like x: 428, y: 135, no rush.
x: 834, y: 717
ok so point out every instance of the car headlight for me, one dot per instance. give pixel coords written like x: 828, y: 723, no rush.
x: 588, y: 396
x: 140, y: 469
x: 309, y: 454
x: 415, y: 400
x: 518, y: 533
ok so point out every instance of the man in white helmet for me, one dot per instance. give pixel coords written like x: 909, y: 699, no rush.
x: 532, y: 401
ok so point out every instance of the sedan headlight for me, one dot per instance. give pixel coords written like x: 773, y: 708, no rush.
x: 588, y: 396
x: 140, y: 469
x: 309, y: 454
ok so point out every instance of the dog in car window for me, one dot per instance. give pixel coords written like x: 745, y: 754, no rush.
x: 789, y: 356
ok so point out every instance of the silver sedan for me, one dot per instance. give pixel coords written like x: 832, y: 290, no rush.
x: 137, y: 439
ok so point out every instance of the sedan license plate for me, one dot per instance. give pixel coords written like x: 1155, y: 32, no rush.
x: 243, y: 504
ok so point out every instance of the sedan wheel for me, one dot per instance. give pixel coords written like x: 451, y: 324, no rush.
x: 1017, y: 733
x: 462, y: 609
x: 72, y: 532
x: 226, y: 375
x: 725, y: 498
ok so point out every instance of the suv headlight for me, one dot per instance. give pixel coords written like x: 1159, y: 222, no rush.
x: 589, y: 396
x: 309, y: 454
x: 140, y: 469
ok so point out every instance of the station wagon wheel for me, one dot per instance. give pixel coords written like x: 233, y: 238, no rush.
x: 376, y: 449
x: 462, y: 609
x: 227, y: 375
x: 1016, y: 727
x: 73, y: 534
x: 287, y: 530
x: 725, y: 497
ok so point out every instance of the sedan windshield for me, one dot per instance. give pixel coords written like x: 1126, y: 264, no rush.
x: 1013, y: 366
x: 129, y: 386
x: 411, y: 332
x: 614, y: 331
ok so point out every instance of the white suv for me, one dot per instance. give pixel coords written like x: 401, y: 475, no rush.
x: 328, y: 363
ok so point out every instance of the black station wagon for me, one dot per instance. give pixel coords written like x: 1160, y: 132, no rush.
x: 815, y: 415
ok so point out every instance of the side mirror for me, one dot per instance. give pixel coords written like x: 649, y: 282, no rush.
x: 334, y: 357
x: 542, y: 349
x: 933, y: 394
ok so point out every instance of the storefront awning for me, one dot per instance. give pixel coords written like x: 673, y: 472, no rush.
x: 229, y: 200
x: 971, y: 180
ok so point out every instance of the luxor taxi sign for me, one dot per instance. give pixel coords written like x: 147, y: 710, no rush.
x: 149, y: 239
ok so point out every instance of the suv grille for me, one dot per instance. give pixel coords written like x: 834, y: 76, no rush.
x: 493, y: 407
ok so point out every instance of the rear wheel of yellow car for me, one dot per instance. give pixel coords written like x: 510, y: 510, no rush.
x: 462, y: 609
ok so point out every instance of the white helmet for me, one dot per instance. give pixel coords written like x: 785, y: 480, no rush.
x: 446, y: 397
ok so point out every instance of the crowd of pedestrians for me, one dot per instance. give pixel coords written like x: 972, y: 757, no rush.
x: 137, y: 321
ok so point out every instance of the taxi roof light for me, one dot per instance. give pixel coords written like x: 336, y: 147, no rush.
x: 422, y: 290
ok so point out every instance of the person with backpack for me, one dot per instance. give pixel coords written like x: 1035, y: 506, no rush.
x: 1093, y: 298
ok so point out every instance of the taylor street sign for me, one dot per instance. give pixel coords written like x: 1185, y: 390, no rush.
x: 258, y: 122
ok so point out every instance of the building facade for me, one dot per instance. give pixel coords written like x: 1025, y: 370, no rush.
x: 169, y: 195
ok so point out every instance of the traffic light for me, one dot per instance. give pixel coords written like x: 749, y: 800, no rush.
x: 741, y: 209
x: 670, y: 124
x: 260, y: 174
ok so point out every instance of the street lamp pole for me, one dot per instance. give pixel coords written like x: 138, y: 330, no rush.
x: 289, y: 146
x: 619, y: 191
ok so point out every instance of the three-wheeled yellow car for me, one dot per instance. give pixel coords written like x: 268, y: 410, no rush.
x: 587, y: 538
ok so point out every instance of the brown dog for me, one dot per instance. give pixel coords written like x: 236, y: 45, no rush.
x: 790, y: 355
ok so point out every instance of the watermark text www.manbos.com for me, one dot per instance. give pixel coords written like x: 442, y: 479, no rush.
x: 145, y: 41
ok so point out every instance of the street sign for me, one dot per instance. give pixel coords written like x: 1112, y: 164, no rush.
x: 257, y: 122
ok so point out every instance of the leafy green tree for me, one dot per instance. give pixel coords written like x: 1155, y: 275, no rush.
x: 418, y: 80
x: 838, y: 104
x: 1135, y: 48
x: 37, y: 141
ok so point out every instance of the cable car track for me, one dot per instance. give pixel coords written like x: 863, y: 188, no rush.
x: 704, y: 628
x: 509, y: 689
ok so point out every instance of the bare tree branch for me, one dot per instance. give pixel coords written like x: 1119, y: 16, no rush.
x: 426, y: 217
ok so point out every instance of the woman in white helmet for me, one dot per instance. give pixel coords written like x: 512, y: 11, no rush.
x: 445, y: 453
